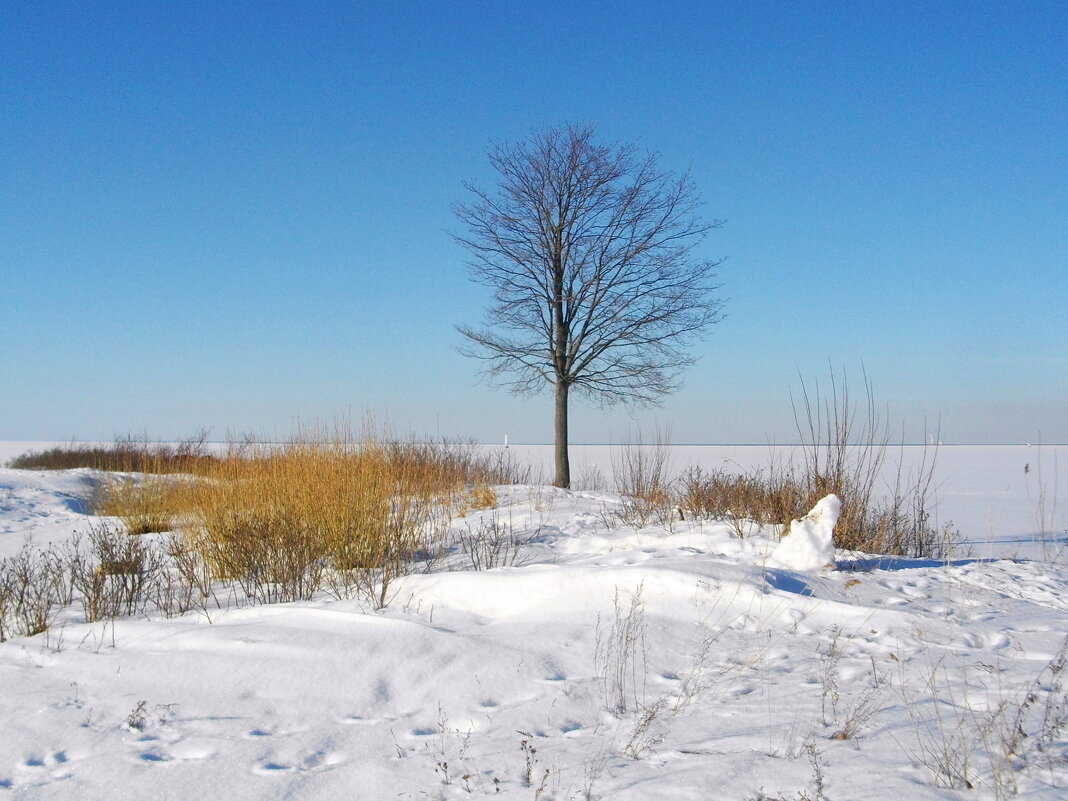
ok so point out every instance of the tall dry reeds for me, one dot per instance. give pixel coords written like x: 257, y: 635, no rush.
x: 144, y: 502
x: 844, y: 450
x: 845, y: 446
x: 327, y: 508
x: 775, y: 497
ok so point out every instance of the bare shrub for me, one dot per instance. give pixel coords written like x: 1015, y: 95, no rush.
x: 7, y: 598
x: 117, y: 575
x: 590, y: 479
x: 492, y: 544
x: 36, y: 586
x: 501, y: 466
x: 188, y: 584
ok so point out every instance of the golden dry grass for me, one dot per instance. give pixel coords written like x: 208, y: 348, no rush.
x: 327, y: 506
x: 144, y: 504
x: 483, y: 496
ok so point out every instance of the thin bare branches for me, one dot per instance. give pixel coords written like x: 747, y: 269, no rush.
x: 587, y: 249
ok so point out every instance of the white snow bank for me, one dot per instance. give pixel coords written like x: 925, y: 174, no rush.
x: 809, y: 545
x: 602, y: 662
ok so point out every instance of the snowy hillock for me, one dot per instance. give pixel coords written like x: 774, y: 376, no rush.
x: 581, y: 659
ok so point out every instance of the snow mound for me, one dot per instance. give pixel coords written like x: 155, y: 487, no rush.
x: 810, y: 544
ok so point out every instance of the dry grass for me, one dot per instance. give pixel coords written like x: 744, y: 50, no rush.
x: 844, y: 451
x: 330, y: 508
x: 278, y: 517
x: 327, y: 510
x: 483, y: 496
x: 128, y: 454
x: 775, y: 497
x: 641, y: 472
x: 143, y: 503
x: 989, y: 740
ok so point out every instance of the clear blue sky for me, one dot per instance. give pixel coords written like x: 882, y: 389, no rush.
x: 236, y: 215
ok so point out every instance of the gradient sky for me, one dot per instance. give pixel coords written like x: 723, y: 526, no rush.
x: 237, y: 215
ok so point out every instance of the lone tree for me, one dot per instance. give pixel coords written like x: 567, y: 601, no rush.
x: 588, y: 250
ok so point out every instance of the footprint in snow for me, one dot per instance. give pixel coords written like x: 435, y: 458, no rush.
x: 271, y: 768
x: 316, y: 760
x: 35, y: 761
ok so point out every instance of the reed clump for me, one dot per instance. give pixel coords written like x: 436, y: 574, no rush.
x: 143, y: 503
x: 774, y: 497
x: 127, y: 454
x: 844, y: 447
x: 325, y: 510
x: 352, y: 513
x: 642, y: 477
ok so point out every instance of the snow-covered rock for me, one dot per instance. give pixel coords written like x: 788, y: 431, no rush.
x: 809, y: 545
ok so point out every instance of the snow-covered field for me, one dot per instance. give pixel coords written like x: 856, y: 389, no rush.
x: 606, y: 662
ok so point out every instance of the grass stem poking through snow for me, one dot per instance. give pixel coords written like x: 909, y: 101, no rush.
x: 620, y: 654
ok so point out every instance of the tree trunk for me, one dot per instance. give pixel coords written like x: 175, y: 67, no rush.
x: 563, y: 467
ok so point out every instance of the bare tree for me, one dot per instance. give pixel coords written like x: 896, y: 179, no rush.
x: 588, y: 251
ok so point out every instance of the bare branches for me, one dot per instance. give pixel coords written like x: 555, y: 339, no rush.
x: 588, y: 251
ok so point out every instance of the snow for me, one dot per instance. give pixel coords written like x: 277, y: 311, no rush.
x: 808, y: 544
x: 607, y: 662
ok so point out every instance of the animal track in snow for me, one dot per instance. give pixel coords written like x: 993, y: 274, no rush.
x: 271, y: 768
x: 36, y: 761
